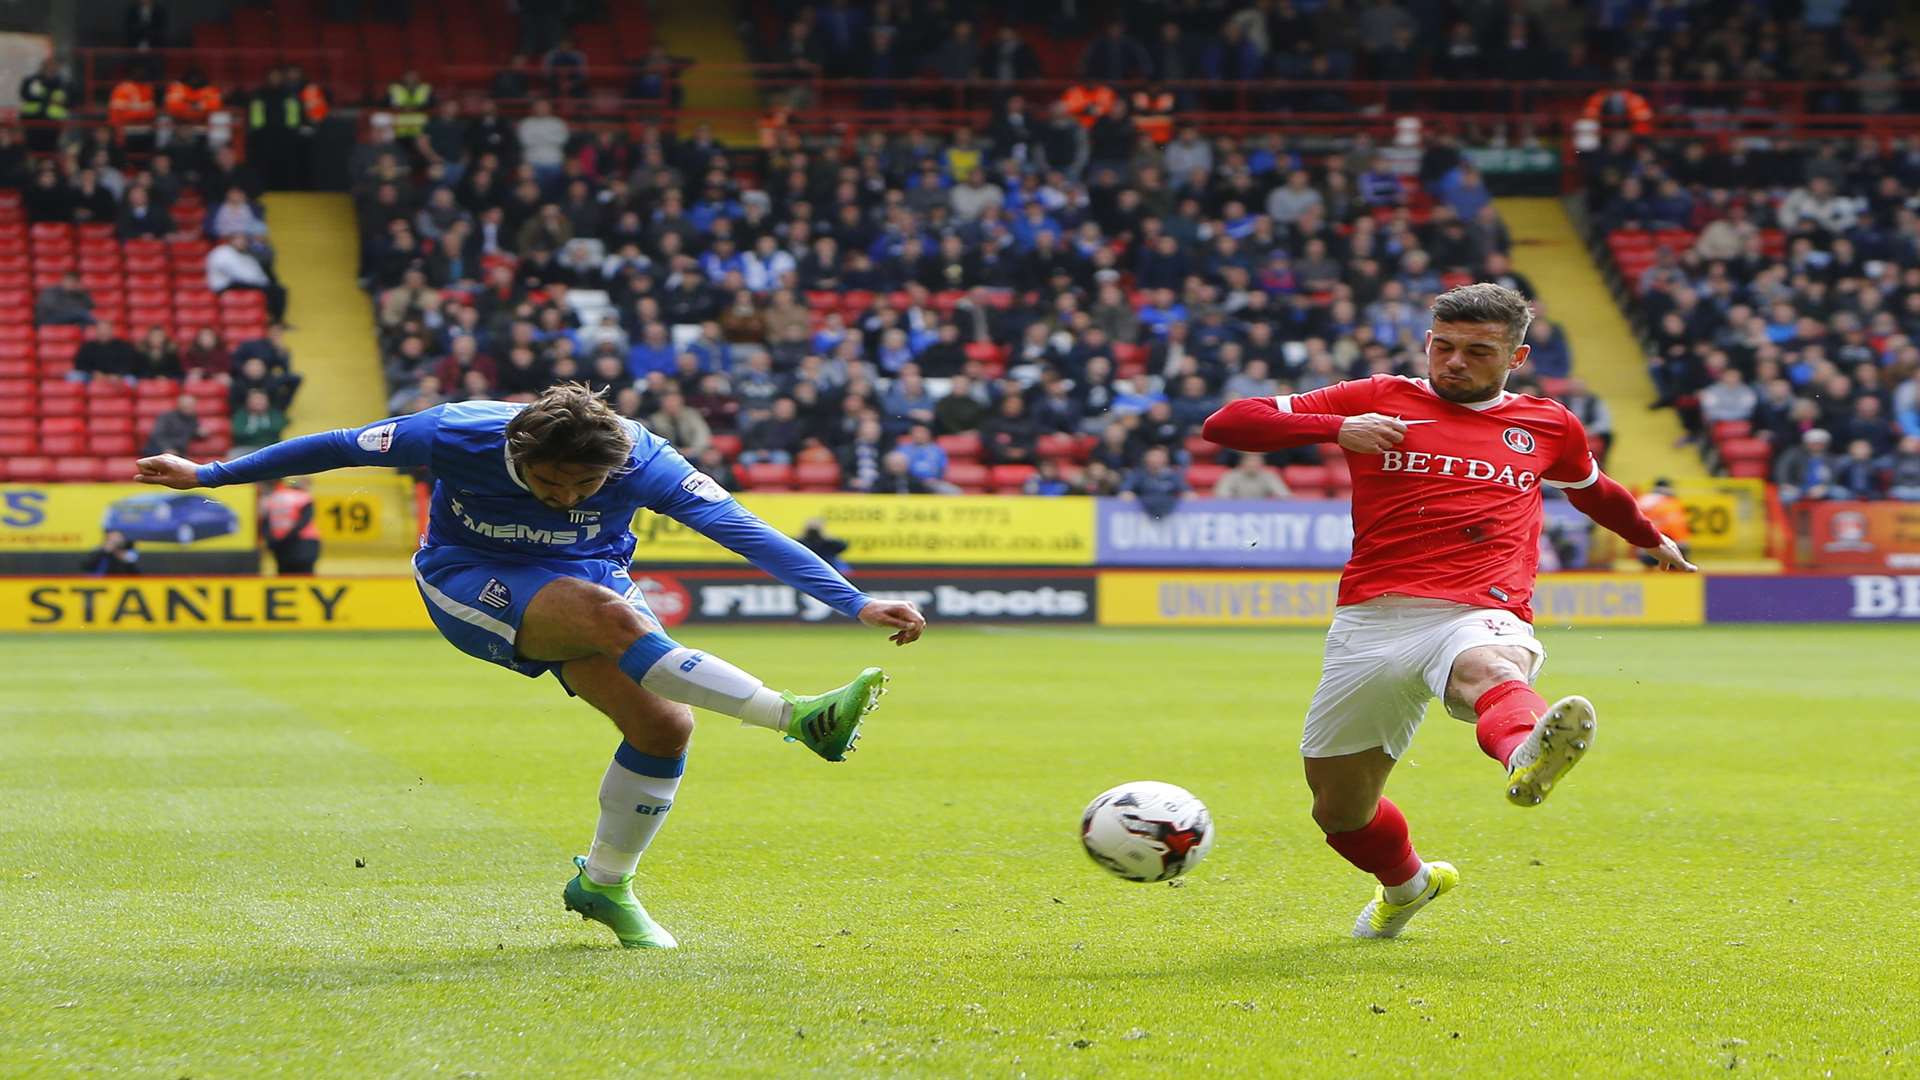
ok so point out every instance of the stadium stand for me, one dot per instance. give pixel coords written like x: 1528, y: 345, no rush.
x: 1780, y: 297
x: 948, y: 212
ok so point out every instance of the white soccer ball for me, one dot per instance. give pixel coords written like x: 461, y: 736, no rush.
x: 1147, y: 831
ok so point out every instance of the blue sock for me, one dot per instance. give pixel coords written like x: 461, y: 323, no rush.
x: 643, y: 654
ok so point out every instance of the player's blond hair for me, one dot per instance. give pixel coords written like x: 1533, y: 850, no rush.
x: 569, y: 424
x: 1485, y: 302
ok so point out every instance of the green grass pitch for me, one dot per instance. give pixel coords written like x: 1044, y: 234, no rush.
x: 1727, y: 883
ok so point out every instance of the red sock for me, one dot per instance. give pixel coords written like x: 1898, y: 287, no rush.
x: 1507, y: 713
x: 1380, y: 847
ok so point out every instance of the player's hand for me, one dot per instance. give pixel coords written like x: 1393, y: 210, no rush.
x: 1670, y: 557
x: 168, y: 470
x: 899, y: 616
x: 1371, y: 433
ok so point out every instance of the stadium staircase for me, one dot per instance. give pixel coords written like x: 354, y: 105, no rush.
x: 333, y: 341
x: 710, y: 32
x: 1548, y: 250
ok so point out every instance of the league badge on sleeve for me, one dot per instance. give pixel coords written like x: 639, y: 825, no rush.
x: 705, y: 487
x: 377, y: 440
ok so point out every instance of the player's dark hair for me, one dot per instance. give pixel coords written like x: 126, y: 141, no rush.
x: 569, y: 424
x: 1485, y: 302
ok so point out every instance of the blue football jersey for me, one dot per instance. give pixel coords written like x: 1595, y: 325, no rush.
x: 481, y: 503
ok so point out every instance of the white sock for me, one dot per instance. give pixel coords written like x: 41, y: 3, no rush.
x: 708, y: 682
x: 1409, y: 889
x: 633, y: 806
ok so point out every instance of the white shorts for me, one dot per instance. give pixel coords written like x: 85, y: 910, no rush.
x: 1386, y: 658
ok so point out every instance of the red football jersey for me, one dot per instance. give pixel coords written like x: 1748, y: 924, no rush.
x: 1453, y: 512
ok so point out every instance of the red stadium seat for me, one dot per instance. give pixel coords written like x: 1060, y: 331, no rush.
x: 767, y: 476
x: 1058, y: 446
x: 1749, y: 469
x: 1202, y: 449
x: 993, y: 356
x: 115, y: 442
x: 1746, y: 449
x: 1011, y: 479
x: 969, y: 476
x: 76, y: 469
x: 1201, y: 478
x: 1128, y: 360
x: 17, y: 407
x: 817, y: 476
x: 119, y: 470
x: 63, y: 446
x: 63, y: 425
x: 158, y: 388
x: 1724, y: 430
x: 1306, y: 481
x: 17, y: 445
x: 19, y: 426
x: 964, y: 446
x: 28, y: 469
x: 61, y: 406
x: 728, y: 445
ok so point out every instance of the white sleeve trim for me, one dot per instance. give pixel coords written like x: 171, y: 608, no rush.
x: 1284, y: 403
x: 1592, y: 478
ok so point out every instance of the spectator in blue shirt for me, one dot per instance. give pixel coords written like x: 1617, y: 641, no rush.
x: 1156, y: 483
x: 653, y: 352
x: 925, y: 459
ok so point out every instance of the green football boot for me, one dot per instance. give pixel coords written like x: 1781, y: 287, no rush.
x: 829, y: 723
x: 615, y: 906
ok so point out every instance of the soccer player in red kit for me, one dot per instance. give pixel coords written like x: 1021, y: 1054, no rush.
x: 1434, y: 601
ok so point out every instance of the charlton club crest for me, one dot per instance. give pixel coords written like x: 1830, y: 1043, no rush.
x: 1519, y: 440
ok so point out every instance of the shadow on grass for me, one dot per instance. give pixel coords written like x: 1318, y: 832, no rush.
x: 1296, y: 961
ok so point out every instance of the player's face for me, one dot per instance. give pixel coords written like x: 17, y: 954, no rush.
x: 1470, y: 361
x: 563, y: 487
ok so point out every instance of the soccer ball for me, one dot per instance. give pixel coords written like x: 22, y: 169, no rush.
x: 1147, y: 831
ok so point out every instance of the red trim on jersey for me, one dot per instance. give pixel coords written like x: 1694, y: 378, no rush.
x: 1260, y: 425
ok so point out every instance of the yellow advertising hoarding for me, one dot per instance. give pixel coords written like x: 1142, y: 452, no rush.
x: 73, y: 517
x: 1283, y: 599
x: 210, y: 603
x: 879, y: 530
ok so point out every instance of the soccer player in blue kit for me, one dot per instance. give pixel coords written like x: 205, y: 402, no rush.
x: 525, y: 565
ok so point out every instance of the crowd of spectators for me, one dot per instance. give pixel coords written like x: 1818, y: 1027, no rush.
x: 1854, y: 45
x: 183, y: 183
x: 854, y: 303
x: 1782, y: 302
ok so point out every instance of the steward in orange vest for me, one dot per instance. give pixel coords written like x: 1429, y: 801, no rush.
x: 1087, y: 103
x: 1610, y: 107
x: 1153, y: 115
x: 131, y: 105
x: 191, y: 100
x: 292, y: 535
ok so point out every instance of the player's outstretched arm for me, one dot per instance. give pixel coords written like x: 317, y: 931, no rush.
x: 168, y: 470
x: 398, y: 443
x: 1610, y: 505
x: 696, y: 501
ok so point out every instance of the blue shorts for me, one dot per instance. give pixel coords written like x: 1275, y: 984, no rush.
x: 477, y: 600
